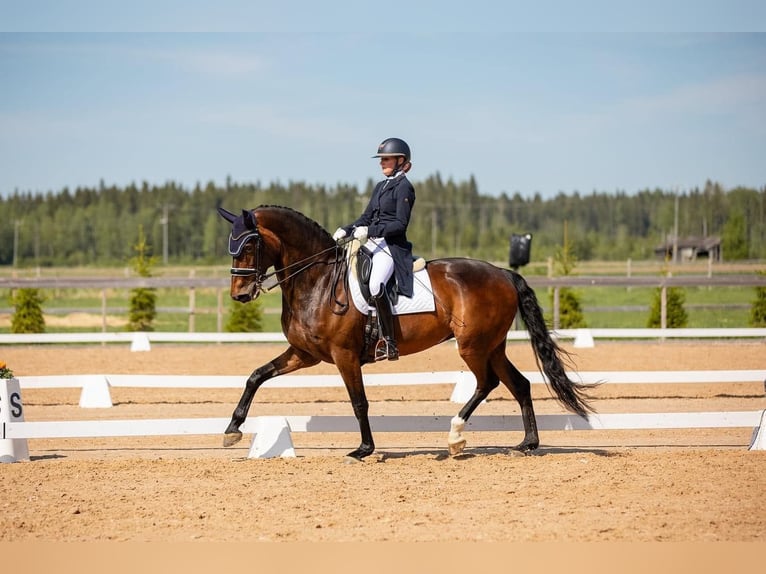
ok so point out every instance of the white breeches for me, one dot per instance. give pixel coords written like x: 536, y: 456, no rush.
x: 382, y: 264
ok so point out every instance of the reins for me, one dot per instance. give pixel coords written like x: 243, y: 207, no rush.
x: 294, y: 264
x: 339, y: 274
x: 261, y: 279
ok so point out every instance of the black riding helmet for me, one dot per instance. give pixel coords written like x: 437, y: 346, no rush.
x: 394, y: 147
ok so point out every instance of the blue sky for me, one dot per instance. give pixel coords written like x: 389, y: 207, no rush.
x: 598, y: 96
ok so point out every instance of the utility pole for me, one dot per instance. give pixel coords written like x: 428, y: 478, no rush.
x: 164, y: 222
x: 434, y: 230
x: 16, y: 225
x: 675, y: 230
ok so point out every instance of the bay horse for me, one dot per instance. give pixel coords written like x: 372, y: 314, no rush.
x: 475, y: 303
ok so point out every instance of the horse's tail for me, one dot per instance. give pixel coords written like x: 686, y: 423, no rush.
x: 547, y: 352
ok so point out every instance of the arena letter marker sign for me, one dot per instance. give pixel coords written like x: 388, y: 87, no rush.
x: 11, y: 410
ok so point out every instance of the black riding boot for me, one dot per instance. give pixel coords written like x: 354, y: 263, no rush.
x: 386, y: 347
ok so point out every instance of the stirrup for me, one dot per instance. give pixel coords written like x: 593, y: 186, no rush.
x: 385, y: 349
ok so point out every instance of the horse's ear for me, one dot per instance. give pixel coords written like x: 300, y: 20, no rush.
x: 249, y: 219
x: 227, y: 215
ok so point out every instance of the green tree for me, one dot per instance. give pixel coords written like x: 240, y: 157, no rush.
x: 27, y: 311
x: 758, y: 310
x: 245, y: 318
x: 143, y: 300
x: 570, y: 307
x: 570, y: 310
x: 734, y: 237
x: 214, y: 237
x: 88, y: 226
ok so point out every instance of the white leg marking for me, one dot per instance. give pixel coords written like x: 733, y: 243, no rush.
x: 456, y: 440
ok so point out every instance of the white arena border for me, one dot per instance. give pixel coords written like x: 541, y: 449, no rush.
x: 381, y: 423
x: 272, y: 434
x: 216, y: 337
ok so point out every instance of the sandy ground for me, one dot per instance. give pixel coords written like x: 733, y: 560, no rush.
x: 693, y: 485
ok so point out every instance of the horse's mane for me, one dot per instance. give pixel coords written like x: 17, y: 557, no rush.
x: 303, y: 219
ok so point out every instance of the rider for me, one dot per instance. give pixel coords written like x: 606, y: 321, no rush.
x: 382, y: 228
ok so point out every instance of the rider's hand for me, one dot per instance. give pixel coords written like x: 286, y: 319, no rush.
x: 339, y: 234
x: 360, y: 233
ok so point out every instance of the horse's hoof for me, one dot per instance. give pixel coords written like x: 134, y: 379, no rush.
x: 455, y: 448
x: 348, y: 459
x: 231, y: 438
x: 360, y: 453
x: 526, y: 448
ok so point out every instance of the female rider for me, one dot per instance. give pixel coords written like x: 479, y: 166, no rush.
x: 382, y: 229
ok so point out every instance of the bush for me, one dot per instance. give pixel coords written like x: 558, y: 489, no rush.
x: 758, y: 310
x: 676, y: 314
x: 27, y: 311
x: 245, y: 317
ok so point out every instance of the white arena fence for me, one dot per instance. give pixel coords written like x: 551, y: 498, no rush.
x: 272, y: 435
x: 464, y: 381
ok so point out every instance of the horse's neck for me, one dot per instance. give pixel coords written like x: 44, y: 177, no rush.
x: 302, y: 271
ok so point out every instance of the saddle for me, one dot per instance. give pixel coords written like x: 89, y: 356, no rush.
x: 363, y: 269
x: 360, y: 264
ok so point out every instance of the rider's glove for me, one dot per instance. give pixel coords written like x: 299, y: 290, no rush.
x: 360, y: 233
x: 339, y: 234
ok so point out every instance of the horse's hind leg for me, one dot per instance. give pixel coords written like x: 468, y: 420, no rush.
x: 291, y: 360
x: 486, y: 381
x: 521, y: 390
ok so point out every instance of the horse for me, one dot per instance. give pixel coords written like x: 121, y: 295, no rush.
x: 475, y: 303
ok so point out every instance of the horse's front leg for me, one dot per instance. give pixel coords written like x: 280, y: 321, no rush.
x: 351, y: 372
x: 291, y: 360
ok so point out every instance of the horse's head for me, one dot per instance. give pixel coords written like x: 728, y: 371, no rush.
x: 246, y: 246
x: 276, y: 236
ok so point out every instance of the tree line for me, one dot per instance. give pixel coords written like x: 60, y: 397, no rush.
x: 100, y: 226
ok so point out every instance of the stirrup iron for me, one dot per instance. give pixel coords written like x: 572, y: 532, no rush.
x: 386, y: 349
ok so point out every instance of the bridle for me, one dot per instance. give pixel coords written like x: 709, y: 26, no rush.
x: 267, y: 281
x: 237, y: 244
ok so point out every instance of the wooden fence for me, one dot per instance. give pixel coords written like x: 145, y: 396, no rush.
x: 222, y: 286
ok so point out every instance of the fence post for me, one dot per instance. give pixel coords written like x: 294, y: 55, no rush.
x: 192, y: 301
x: 219, y: 312
x: 103, y: 314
